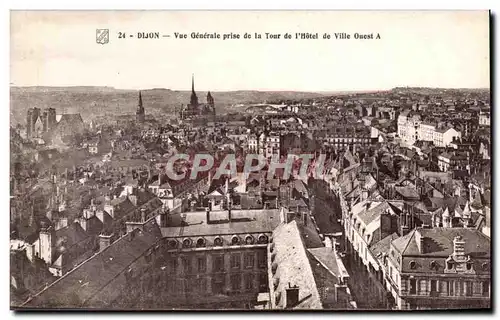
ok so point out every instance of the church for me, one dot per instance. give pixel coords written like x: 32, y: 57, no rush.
x: 195, y: 111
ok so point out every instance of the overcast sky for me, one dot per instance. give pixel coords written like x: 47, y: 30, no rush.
x: 431, y: 49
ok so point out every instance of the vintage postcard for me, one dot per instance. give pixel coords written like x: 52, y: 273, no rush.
x: 250, y: 160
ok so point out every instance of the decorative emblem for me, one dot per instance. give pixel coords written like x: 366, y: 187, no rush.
x: 102, y: 36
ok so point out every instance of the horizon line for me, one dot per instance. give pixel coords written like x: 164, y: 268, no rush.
x: 254, y: 90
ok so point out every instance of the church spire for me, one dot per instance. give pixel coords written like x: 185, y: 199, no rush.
x: 194, y: 98
x: 140, y: 100
x: 140, y: 114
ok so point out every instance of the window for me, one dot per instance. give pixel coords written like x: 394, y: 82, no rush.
x: 262, y: 259
x: 249, y: 239
x: 413, y: 265
x: 249, y: 281
x: 235, y: 261
x: 200, y: 242
x: 469, y: 266
x: 235, y: 240
x: 218, y: 242
x: 186, y: 243
x: 458, y: 288
x: 263, y: 282
x: 433, y: 265
x: 202, y: 264
x: 201, y: 285
x: 468, y: 288
x: 485, y: 288
x: 186, y: 265
x: 172, y: 244
x: 433, y: 286
x: 173, y: 265
x: 218, y: 263
x: 413, y: 286
x: 235, y: 282
x: 249, y: 260
x: 449, y: 265
x: 218, y: 284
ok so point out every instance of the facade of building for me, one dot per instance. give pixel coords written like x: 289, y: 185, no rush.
x: 39, y: 122
x: 411, y: 128
x: 439, y: 268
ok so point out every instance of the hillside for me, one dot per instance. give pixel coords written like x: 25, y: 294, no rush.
x: 91, y: 101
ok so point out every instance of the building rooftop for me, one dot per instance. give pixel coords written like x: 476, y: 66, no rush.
x: 95, y: 283
x: 242, y: 221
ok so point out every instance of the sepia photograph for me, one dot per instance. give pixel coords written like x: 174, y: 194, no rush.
x: 250, y: 160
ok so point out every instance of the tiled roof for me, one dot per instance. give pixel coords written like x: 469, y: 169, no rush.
x: 439, y: 242
x: 293, y: 268
x: 96, y: 282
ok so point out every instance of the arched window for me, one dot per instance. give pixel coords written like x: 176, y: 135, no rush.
x: 186, y: 243
x: 433, y: 265
x: 413, y: 265
x: 235, y: 240
x: 263, y: 238
x: 172, y: 244
x: 200, y: 242
x: 249, y: 239
x: 485, y: 266
x: 469, y: 266
x: 449, y: 265
x: 218, y: 242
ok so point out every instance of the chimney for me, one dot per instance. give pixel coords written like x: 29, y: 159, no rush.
x: 104, y: 240
x: 367, y: 205
x: 292, y: 296
x: 419, y: 238
x: 143, y: 215
x: 163, y: 217
x: 207, y: 211
x: 305, y: 217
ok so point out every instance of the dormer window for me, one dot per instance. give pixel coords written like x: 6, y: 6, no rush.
x: 200, y: 242
x: 449, y: 265
x: 433, y: 265
x: 469, y: 266
x: 485, y: 266
x: 186, y: 243
x: 413, y: 265
x: 263, y: 238
x: 249, y: 239
x: 218, y: 242
x: 235, y: 240
x: 172, y: 244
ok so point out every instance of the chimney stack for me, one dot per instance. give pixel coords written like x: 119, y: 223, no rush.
x: 104, y: 240
x: 207, y: 211
x: 229, y: 205
x: 143, y: 215
x: 292, y: 296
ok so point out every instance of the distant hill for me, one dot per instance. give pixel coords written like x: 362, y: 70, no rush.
x: 92, y: 101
